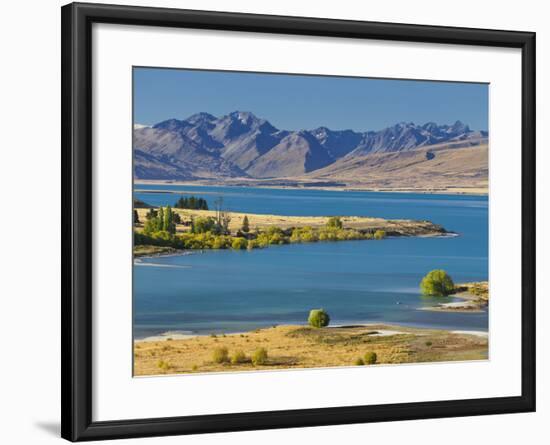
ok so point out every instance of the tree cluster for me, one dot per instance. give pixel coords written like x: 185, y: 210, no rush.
x: 161, y: 220
x: 192, y: 203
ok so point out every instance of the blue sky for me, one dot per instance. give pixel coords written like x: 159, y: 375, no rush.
x: 294, y: 102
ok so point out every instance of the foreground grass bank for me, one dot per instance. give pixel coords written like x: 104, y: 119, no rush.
x: 305, y: 347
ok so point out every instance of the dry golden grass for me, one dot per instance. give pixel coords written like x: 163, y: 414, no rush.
x: 258, y: 221
x: 477, y: 291
x: 454, y: 170
x: 304, y: 347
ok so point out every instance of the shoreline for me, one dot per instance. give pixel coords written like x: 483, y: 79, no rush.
x: 474, y: 296
x: 185, y: 252
x: 454, y: 192
x: 172, y: 252
x: 395, y: 330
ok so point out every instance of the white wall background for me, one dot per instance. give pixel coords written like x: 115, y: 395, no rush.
x: 30, y: 208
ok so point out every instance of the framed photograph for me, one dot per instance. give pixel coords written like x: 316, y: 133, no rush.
x: 274, y: 222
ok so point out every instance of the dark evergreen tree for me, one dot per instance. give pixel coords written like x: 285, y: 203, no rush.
x: 192, y: 203
x: 246, y: 226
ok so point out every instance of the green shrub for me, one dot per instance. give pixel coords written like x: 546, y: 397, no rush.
x: 428, y: 343
x: 220, y: 355
x: 277, y: 238
x: 163, y: 365
x: 194, y: 368
x: 437, y: 282
x: 220, y: 242
x: 359, y: 362
x: 259, y: 357
x: 318, y: 318
x: 370, y: 358
x: 239, y: 243
x: 203, y: 225
x: 379, y: 234
x: 335, y: 222
x: 238, y: 357
x: 304, y: 234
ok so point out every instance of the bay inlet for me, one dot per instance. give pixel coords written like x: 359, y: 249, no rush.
x: 224, y: 291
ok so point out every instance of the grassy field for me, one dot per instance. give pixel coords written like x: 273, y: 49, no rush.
x: 402, y: 227
x: 305, y: 347
x: 443, y: 168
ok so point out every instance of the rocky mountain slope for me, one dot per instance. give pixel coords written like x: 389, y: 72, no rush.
x: 444, y: 167
x: 242, y: 145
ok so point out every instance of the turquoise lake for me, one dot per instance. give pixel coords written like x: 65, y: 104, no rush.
x: 355, y: 281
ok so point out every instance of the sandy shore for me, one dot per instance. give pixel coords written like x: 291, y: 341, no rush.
x: 168, y: 336
x: 304, y: 347
x: 482, y: 334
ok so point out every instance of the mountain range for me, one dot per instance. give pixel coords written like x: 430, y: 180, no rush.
x: 242, y: 145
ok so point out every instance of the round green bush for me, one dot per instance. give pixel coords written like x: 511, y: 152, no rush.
x: 259, y: 357
x: 359, y: 362
x: 370, y: 358
x: 437, y: 282
x: 220, y: 355
x: 318, y: 318
x: 238, y: 357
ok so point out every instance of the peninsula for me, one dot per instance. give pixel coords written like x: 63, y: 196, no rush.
x: 194, y: 229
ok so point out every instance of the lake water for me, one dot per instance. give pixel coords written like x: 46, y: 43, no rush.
x: 355, y: 281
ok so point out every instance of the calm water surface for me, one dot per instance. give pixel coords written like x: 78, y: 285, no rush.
x: 355, y: 281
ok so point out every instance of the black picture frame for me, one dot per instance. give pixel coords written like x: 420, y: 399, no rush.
x: 76, y: 250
